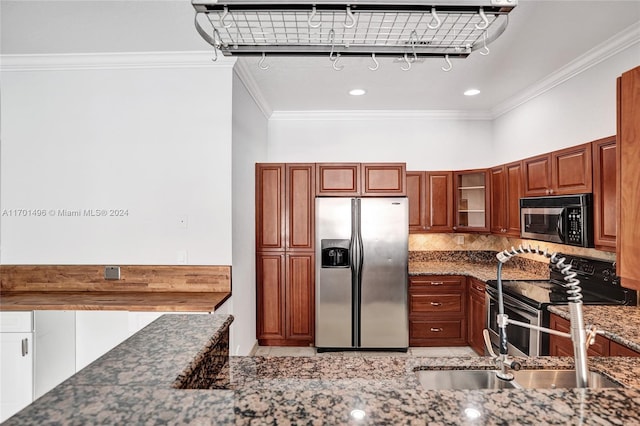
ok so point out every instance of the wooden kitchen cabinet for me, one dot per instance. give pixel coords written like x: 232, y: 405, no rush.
x: 628, y: 179
x: 437, y: 306
x: 563, y: 172
x: 506, y: 191
x: 616, y: 349
x: 476, y: 314
x: 430, y: 197
x: 383, y: 179
x: 285, y: 291
x: 471, y: 200
x: 562, y: 346
x: 356, y: 179
x: 285, y: 253
x: 285, y: 206
x: 338, y: 179
x: 604, y: 193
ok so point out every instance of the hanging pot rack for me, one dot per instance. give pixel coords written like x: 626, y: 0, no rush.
x: 408, y: 29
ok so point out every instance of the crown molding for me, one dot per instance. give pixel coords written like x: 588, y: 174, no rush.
x: 126, y: 60
x: 614, y: 45
x: 381, y: 115
x: 244, y: 75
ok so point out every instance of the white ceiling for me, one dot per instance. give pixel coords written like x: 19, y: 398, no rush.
x: 543, y: 38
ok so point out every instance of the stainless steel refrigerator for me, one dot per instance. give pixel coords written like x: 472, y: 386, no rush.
x: 361, y: 273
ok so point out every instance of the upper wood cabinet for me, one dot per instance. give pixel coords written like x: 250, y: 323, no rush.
x: 366, y: 179
x: 270, y: 197
x: 285, y: 206
x: 563, y: 172
x: 471, y: 201
x: 338, y: 180
x: 604, y: 193
x: 506, y: 191
x: 430, y: 197
x: 628, y: 182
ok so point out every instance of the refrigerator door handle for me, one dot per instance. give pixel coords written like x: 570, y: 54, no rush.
x: 355, y: 274
x: 358, y: 282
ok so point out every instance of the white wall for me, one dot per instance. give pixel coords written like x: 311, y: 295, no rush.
x: 249, y: 147
x: 154, y: 141
x: 423, y: 142
x: 579, y: 110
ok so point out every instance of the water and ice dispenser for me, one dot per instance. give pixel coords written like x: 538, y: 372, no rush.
x: 335, y: 253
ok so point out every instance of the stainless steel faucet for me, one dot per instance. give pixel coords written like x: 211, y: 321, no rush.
x: 578, y: 333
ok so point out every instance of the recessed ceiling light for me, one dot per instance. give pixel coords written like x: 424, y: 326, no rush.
x: 357, y: 92
x: 471, y: 92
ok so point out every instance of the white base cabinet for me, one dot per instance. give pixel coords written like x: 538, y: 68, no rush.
x: 55, y: 349
x: 16, y: 362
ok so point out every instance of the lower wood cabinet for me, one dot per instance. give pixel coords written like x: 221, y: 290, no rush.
x: 285, y: 298
x: 437, y: 311
x: 562, y: 346
x: 476, y: 315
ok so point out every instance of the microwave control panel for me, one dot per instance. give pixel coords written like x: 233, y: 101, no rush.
x: 574, y: 228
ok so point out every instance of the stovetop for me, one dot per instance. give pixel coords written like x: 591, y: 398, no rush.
x: 599, y: 284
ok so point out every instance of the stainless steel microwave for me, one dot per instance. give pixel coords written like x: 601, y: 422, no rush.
x: 563, y: 219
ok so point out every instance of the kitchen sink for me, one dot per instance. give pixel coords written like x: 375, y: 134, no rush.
x: 536, y: 379
x: 523, y: 379
x: 461, y: 379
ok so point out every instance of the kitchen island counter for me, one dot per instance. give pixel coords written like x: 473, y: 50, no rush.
x: 137, y: 383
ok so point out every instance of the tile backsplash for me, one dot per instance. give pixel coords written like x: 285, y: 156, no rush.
x: 479, y: 242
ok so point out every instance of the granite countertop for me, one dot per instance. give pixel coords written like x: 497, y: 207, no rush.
x: 164, y: 301
x: 135, y: 384
x: 619, y: 323
x: 483, y: 271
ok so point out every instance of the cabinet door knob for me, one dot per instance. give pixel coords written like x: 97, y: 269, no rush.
x: 436, y: 330
x: 436, y: 303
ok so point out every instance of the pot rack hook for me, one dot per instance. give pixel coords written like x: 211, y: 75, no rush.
x: 224, y: 15
x: 436, y: 18
x: 485, y: 50
x: 352, y: 18
x: 449, y: 66
x: 261, y: 64
x: 375, y: 61
x: 332, y: 36
x: 485, y: 21
x: 414, y: 41
x: 335, y: 63
x: 313, y: 15
x: 408, y: 62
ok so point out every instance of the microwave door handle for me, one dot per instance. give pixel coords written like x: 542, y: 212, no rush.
x: 559, y: 225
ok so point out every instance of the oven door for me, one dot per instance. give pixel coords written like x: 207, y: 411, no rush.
x: 521, y: 341
x: 542, y: 223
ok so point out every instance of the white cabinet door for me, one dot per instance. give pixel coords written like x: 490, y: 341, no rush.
x: 97, y: 332
x: 16, y: 372
x: 55, y: 349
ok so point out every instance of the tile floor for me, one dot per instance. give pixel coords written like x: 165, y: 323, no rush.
x: 426, y: 352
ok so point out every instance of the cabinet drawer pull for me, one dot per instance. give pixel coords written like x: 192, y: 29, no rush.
x: 25, y: 347
x: 436, y: 303
x: 436, y: 330
x: 436, y: 283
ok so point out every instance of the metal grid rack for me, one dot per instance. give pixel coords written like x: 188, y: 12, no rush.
x: 418, y: 30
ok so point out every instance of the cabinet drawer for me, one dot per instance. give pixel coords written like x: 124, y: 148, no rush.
x: 16, y: 322
x: 436, y: 282
x: 437, y: 329
x: 422, y: 303
x: 616, y: 349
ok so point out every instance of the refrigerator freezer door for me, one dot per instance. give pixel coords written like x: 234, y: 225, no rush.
x: 333, y: 284
x: 385, y: 234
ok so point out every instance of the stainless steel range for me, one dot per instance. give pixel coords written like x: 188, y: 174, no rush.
x: 527, y: 301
